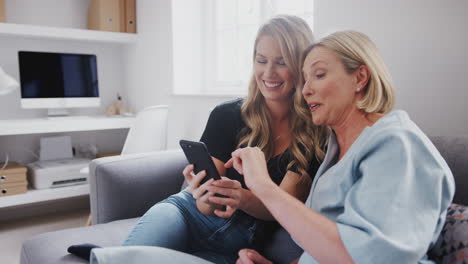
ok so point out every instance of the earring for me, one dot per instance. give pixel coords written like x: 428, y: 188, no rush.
x: 358, y: 89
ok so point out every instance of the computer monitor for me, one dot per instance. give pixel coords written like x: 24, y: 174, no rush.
x: 58, y: 81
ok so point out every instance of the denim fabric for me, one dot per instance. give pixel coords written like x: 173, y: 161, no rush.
x: 176, y: 223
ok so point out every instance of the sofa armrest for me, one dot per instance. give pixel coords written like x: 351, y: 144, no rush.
x: 127, y: 186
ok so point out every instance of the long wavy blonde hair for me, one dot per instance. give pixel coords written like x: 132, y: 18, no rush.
x: 307, y: 140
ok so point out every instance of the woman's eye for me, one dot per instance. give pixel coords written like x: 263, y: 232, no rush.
x: 261, y: 61
x: 281, y: 63
x: 320, y: 75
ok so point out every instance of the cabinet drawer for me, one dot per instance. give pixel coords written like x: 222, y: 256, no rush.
x: 13, y: 188
x: 11, y: 178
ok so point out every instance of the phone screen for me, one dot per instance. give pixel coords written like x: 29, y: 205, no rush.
x: 198, y: 155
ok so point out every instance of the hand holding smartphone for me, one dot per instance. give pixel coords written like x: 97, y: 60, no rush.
x: 198, y: 155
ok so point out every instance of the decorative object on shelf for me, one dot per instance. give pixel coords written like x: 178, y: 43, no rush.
x: 117, y: 107
x: 7, y: 83
x: 87, y: 151
x: 13, y: 179
x: 2, y: 11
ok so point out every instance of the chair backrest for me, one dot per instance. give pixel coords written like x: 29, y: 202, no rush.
x: 148, y: 133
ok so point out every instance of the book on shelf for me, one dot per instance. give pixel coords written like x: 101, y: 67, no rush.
x: 13, y: 179
x: 115, y: 16
x: 2, y: 11
x: 130, y: 16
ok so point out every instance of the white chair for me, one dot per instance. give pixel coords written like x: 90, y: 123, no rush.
x: 149, y: 132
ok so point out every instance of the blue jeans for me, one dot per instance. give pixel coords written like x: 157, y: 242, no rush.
x: 176, y: 223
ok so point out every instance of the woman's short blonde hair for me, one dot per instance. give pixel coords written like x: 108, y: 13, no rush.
x: 355, y: 49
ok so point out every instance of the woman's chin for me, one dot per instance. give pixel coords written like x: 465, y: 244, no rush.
x: 277, y: 97
x: 317, y: 121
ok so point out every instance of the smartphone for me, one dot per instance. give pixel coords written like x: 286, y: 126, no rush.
x: 198, y: 155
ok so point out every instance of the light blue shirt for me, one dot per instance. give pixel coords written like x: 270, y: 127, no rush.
x: 388, y: 194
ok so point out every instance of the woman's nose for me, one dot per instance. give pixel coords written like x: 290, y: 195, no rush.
x: 307, y: 89
x: 270, y: 70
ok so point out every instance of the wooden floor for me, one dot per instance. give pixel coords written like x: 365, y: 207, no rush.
x: 13, y: 233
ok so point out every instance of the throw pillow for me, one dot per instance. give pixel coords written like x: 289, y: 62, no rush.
x: 452, y: 245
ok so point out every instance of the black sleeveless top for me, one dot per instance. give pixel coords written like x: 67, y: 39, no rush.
x: 222, y: 135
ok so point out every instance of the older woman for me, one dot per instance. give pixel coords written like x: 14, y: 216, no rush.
x: 382, y: 192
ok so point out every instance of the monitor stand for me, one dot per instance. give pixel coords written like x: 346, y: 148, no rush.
x: 57, y: 112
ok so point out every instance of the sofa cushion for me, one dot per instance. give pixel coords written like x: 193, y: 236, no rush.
x: 454, y: 149
x: 52, y: 247
x: 452, y: 245
x: 142, y: 254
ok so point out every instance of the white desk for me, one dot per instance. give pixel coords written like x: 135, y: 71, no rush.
x: 62, y: 124
x: 36, y: 196
x: 10, y: 127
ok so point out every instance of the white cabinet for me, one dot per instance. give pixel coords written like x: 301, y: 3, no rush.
x: 54, y: 125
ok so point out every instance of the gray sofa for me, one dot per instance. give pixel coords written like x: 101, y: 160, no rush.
x: 123, y: 188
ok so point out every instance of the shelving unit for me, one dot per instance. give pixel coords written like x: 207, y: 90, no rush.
x: 37, y: 196
x: 55, y: 125
x: 107, y: 45
x: 46, y: 32
x: 62, y: 124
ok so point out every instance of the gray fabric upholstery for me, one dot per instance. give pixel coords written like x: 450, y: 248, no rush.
x: 51, y: 247
x: 142, y: 254
x: 455, y: 152
x: 125, y: 187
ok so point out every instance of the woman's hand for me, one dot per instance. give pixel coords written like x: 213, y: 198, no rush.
x: 234, y: 192
x: 199, y: 192
x: 250, y: 256
x: 251, y: 163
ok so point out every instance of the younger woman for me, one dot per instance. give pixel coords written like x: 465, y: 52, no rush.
x: 273, y: 117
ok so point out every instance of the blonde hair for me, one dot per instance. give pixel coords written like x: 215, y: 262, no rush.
x: 355, y: 49
x: 307, y: 141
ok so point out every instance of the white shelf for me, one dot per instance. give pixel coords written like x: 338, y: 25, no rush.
x: 36, y: 196
x: 62, y: 124
x: 46, y: 32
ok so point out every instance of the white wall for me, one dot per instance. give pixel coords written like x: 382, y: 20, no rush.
x: 424, y: 43
x: 150, y: 64
x: 66, y: 13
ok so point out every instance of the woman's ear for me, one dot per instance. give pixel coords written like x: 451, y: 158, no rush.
x: 362, y: 77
